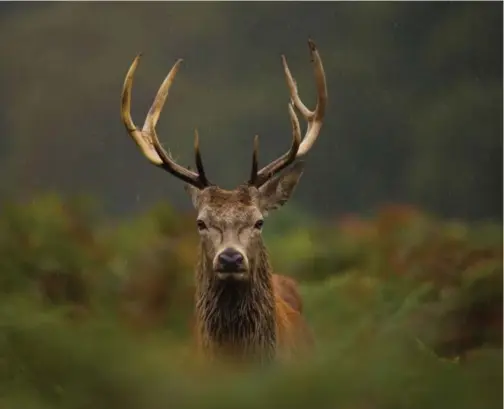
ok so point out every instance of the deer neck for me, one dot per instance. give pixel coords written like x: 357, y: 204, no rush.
x: 237, y: 318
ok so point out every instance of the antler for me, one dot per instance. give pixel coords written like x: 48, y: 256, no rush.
x: 299, y: 147
x: 147, y: 139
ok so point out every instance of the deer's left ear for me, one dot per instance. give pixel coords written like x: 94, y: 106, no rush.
x: 277, y: 191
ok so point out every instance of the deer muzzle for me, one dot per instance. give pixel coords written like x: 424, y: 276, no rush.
x: 230, y: 263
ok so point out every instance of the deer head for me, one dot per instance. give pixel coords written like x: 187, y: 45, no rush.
x: 230, y: 222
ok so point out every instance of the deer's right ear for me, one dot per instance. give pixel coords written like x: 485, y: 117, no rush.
x: 277, y: 191
x: 194, y: 194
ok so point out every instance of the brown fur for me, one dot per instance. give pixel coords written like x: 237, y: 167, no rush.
x: 286, y: 288
x: 259, y: 321
x: 256, y: 319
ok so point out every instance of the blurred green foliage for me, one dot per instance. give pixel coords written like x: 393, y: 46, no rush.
x: 406, y: 308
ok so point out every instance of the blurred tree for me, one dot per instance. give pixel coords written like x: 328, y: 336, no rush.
x: 415, y: 90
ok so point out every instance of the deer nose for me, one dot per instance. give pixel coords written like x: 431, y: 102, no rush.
x: 230, y: 260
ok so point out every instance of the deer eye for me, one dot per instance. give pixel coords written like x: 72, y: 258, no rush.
x: 201, y: 225
x: 258, y: 224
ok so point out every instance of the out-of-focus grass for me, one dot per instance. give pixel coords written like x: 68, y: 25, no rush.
x: 361, y: 363
x: 407, y: 313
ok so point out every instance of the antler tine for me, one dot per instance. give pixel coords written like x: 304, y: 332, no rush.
x: 142, y: 142
x: 198, y: 160
x: 168, y: 164
x: 259, y: 178
x: 159, y: 100
x: 255, y: 161
x: 314, y: 119
x: 147, y: 139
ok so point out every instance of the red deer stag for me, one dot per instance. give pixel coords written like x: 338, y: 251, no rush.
x: 243, y: 311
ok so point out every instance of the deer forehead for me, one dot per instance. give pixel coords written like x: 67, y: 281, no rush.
x: 230, y: 207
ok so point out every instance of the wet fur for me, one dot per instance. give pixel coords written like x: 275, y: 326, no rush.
x: 254, y: 320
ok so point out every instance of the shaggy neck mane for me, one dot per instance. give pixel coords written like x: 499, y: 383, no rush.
x: 236, y: 319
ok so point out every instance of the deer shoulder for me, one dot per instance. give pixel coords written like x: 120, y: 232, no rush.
x: 287, y: 288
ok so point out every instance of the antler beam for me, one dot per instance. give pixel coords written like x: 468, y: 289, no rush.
x: 299, y: 147
x: 147, y: 139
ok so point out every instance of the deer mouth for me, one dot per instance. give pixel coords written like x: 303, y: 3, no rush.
x: 238, y: 275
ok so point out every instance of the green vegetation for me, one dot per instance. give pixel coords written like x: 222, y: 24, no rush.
x: 407, y: 312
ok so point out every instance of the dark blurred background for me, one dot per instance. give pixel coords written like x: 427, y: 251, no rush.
x: 415, y: 108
